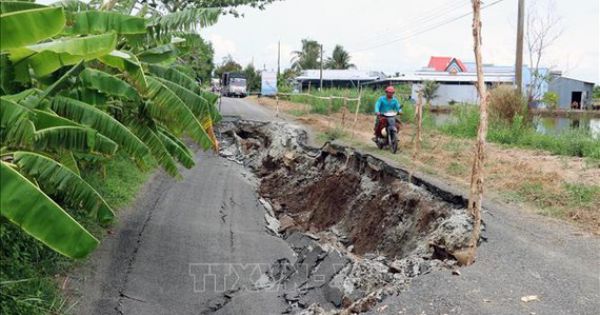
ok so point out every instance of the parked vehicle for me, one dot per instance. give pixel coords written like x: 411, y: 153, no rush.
x: 234, y: 84
x: 388, y: 135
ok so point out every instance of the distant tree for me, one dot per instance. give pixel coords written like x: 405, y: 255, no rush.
x: 340, y: 59
x: 227, y: 65
x: 543, y: 29
x: 429, y: 91
x: 309, y: 57
x: 253, y: 78
x: 551, y: 100
x: 596, y: 94
x: 199, y: 55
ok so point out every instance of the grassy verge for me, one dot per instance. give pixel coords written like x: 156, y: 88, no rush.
x: 30, y: 272
x: 520, y: 134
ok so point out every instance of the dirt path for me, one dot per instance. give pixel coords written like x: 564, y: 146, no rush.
x: 536, y: 181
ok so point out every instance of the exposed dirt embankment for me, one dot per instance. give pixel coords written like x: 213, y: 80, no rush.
x: 382, y: 228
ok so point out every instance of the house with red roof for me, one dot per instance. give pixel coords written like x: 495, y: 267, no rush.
x: 446, y: 64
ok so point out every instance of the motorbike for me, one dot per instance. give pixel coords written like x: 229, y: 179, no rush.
x: 387, y: 136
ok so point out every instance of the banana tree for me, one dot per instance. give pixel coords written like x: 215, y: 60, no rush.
x: 72, y: 84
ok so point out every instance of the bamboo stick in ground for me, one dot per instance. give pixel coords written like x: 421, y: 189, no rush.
x: 419, y: 123
x: 467, y: 256
x: 356, y: 112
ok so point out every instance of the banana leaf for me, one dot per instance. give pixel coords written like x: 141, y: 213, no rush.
x: 99, y: 22
x: 56, y: 179
x: 27, y: 27
x: 48, y: 57
x: 128, y: 63
x: 157, y: 148
x: 73, y: 138
x: 162, y: 54
x: 174, y: 76
x: 88, y: 115
x: 16, y: 128
x: 167, y: 107
x: 13, y: 6
x: 180, y: 153
x: 108, y: 84
x: 35, y: 213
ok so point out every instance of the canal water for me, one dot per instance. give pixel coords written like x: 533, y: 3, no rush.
x: 545, y: 125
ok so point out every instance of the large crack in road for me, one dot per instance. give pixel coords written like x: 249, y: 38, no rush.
x: 359, y: 228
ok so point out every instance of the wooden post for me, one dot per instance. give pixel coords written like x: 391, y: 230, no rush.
x: 467, y: 256
x: 356, y: 111
x: 321, y: 72
x: 418, y: 123
x: 277, y: 105
x: 344, y: 110
x: 330, y: 118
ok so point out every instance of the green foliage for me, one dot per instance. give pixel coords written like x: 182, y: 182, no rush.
x: 520, y: 133
x: 340, y: 59
x: 197, y: 54
x: 228, y: 65
x: 253, y: 78
x: 551, y: 100
x: 48, y: 131
x: 20, y: 28
x: 429, y: 90
x: 596, y: 94
x: 309, y: 57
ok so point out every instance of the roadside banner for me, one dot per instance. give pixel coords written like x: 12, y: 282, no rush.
x: 268, y: 83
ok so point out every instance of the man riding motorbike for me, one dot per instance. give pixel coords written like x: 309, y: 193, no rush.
x: 386, y: 103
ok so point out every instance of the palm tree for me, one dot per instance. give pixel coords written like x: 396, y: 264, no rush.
x: 340, y: 59
x: 429, y: 91
x: 308, y: 57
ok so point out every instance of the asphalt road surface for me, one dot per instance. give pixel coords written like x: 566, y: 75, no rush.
x: 173, y: 250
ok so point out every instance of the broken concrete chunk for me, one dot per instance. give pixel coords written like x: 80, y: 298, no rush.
x: 272, y: 224
x: 286, y: 222
x: 267, y: 206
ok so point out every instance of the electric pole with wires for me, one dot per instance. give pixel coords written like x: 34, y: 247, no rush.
x: 519, y: 57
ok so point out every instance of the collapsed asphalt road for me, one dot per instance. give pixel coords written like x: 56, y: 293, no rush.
x: 360, y: 230
x: 174, y: 250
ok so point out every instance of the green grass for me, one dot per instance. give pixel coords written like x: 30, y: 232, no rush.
x: 522, y: 134
x: 571, y: 197
x: 456, y: 169
x: 332, y: 134
x: 28, y: 269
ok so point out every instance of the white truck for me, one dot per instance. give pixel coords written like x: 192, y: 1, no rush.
x: 234, y: 85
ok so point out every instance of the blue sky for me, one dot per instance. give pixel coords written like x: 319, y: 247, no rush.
x: 360, y: 25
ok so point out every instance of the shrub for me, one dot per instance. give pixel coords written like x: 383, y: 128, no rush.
x: 551, y: 100
x: 505, y: 103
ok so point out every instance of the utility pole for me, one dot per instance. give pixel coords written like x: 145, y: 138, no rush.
x: 278, y: 58
x: 519, y: 59
x: 321, y: 76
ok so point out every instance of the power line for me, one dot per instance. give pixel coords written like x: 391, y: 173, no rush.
x: 414, y: 34
x: 443, y: 10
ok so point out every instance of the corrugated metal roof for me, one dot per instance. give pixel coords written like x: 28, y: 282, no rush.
x: 458, y: 77
x: 340, y: 75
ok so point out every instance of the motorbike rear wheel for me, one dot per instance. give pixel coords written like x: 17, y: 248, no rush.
x: 393, y: 141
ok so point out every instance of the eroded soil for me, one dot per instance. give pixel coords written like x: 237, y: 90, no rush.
x: 360, y: 229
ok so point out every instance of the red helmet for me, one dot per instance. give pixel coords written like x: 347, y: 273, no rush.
x: 390, y: 89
